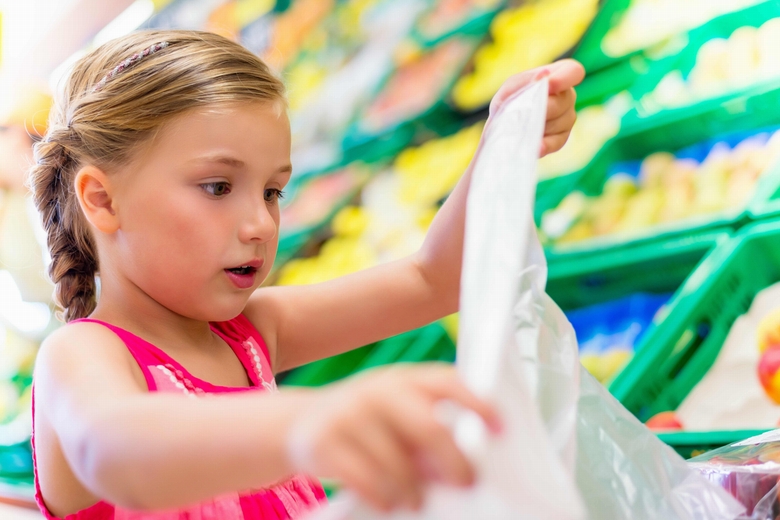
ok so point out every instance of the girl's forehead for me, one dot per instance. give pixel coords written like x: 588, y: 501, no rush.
x: 255, y: 132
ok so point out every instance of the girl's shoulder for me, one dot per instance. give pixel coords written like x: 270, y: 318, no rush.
x: 85, y: 352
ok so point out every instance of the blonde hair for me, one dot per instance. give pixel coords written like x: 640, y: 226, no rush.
x: 105, y: 126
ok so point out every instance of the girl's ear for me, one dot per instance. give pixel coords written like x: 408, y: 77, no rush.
x: 94, y: 192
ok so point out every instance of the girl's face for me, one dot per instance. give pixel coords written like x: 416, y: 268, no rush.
x: 199, y: 209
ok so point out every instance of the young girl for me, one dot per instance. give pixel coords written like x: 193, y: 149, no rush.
x: 160, y: 174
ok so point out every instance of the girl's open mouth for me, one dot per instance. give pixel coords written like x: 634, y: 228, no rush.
x: 243, y: 276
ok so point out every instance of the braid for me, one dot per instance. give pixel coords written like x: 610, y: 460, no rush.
x: 73, y: 255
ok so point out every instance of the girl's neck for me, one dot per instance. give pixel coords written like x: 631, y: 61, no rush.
x: 125, y: 305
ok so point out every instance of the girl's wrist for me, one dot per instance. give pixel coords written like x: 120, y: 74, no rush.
x: 295, y: 405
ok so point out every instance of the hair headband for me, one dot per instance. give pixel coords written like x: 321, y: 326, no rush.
x: 132, y: 60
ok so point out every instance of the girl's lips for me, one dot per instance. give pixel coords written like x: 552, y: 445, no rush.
x: 242, y: 281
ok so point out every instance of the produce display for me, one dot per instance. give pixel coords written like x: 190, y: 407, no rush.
x: 291, y: 28
x: 740, y: 391
x: 341, y: 66
x: 416, y: 86
x: 446, y: 16
x: 607, y: 332
x: 664, y: 189
x: 649, y: 22
x: 524, y: 37
x: 316, y: 199
x: 750, y: 55
x: 398, y: 205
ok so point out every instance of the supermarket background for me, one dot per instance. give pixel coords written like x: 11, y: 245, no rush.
x: 660, y: 217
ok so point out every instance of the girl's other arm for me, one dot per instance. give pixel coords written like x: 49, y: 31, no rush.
x: 158, y: 450
x: 312, y: 322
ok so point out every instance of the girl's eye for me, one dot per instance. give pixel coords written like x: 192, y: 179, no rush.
x: 217, y: 189
x: 273, y: 195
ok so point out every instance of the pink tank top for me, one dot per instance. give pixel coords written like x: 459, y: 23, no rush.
x: 287, y: 500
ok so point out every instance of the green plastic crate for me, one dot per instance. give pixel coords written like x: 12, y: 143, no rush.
x: 628, y: 146
x: 653, y: 268
x: 429, y: 343
x: 650, y: 268
x: 598, y: 87
x: 589, y: 52
x: 680, y: 350
x: 766, y: 206
x: 693, y: 444
x: 684, y: 61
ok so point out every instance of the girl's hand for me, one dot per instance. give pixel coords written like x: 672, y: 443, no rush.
x: 563, y: 76
x: 378, y: 434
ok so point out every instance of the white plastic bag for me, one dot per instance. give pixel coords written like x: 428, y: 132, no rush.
x: 569, y: 450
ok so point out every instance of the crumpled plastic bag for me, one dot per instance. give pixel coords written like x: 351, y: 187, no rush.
x: 750, y: 471
x: 569, y: 451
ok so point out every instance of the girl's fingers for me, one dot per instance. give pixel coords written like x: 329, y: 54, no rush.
x: 392, y: 459
x: 445, y: 383
x: 356, y: 473
x: 510, y: 86
x: 565, y: 74
x: 560, y: 103
x: 561, y: 124
x: 416, y: 423
x: 553, y: 143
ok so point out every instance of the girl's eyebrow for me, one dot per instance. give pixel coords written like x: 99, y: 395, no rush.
x: 233, y: 162
x: 221, y: 159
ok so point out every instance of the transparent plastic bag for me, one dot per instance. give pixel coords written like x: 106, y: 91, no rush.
x: 569, y: 450
x: 750, y: 471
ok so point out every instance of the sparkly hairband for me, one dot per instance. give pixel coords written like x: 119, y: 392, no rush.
x: 135, y: 58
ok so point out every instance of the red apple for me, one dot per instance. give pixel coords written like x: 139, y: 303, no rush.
x: 664, y: 421
x: 768, y: 367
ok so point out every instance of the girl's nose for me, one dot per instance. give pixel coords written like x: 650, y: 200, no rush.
x: 259, y: 226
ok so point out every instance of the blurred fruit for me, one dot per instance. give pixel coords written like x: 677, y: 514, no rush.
x: 613, y: 362
x: 291, y: 28
x: 768, y: 332
x: 592, y: 364
x: 748, y: 56
x: 447, y: 15
x: 769, y: 373
x: 319, y: 197
x: 664, y: 421
x: 429, y: 172
x: 666, y: 190
x: 416, y: 85
x: 649, y: 22
x: 528, y: 36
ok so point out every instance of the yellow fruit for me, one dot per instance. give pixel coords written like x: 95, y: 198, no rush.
x: 525, y: 37
x: 613, y: 362
x: 768, y: 333
x: 592, y: 364
x: 350, y: 221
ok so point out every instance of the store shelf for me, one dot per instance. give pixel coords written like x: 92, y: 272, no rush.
x: 685, y: 346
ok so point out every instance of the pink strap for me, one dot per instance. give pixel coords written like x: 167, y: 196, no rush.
x: 138, y: 349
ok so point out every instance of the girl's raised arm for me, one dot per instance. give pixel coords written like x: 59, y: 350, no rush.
x: 306, y: 323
